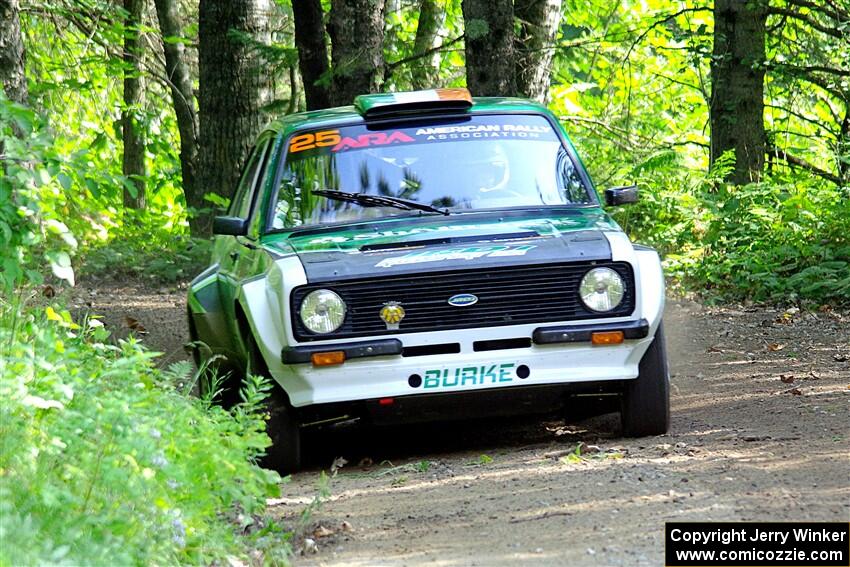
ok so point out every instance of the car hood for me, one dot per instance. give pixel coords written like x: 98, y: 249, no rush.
x: 447, y: 243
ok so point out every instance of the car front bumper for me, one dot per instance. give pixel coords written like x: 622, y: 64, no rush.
x: 546, y: 355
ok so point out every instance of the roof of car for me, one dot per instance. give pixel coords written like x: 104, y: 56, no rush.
x: 349, y: 114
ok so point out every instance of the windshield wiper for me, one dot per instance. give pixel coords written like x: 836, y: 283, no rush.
x: 367, y: 200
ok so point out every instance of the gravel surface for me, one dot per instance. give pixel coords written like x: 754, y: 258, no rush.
x: 760, y: 431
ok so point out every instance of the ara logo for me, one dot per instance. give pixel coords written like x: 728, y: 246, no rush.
x: 463, y: 300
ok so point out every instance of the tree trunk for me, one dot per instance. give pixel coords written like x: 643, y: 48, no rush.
x: 312, y: 52
x: 538, y: 25
x: 233, y: 91
x: 489, y: 34
x: 357, y: 48
x: 182, y: 95
x: 843, y: 146
x: 425, y: 70
x: 737, y: 87
x: 292, y: 106
x: 12, y: 56
x: 134, y: 144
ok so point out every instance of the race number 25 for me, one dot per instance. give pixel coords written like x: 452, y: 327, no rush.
x: 314, y: 140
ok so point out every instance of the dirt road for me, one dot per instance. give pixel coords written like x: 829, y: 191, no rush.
x: 760, y: 431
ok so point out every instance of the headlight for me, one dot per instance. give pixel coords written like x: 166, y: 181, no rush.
x: 601, y: 289
x: 322, y: 311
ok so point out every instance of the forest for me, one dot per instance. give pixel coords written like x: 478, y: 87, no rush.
x: 124, y: 127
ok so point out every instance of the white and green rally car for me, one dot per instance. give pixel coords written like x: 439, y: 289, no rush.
x: 424, y: 256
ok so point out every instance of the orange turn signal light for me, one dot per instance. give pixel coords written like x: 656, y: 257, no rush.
x: 328, y: 358
x: 606, y: 338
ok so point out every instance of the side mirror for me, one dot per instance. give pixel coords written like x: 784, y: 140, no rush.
x: 625, y: 195
x: 233, y: 226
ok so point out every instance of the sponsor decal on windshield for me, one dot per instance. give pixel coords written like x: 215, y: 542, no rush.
x: 372, y: 139
x: 314, y: 140
x: 340, y: 141
x: 483, y: 131
x: 466, y: 253
x: 333, y: 139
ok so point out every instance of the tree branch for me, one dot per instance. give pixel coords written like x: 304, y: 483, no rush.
x: 834, y: 32
x: 702, y: 145
x: 794, y: 161
x: 812, y: 69
x: 802, y: 117
x: 819, y: 82
x: 390, y: 67
x: 697, y: 88
x: 662, y: 21
x: 839, y: 15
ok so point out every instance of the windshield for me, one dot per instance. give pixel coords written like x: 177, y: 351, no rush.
x: 475, y: 162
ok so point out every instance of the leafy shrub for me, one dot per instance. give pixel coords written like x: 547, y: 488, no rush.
x: 778, y: 242
x: 668, y: 214
x: 784, y: 240
x: 137, y: 256
x: 58, y: 200
x: 105, y: 461
x: 32, y: 182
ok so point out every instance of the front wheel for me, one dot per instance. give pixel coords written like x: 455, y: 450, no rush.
x: 284, y: 454
x: 646, y: 399
x: 282, y: 427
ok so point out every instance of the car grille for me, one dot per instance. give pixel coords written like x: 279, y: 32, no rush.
x: 506, y: 296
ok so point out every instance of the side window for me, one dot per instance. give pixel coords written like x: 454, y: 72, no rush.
x: 569, y: 180
x: 240, y: 206
x: 266, y: 171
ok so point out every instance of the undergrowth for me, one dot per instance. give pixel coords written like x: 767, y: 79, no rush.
x: 106, y: 460
x: 786, y: 240
x: 154, y: 260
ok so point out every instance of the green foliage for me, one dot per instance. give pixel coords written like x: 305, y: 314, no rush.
x: 782, y: 242
x: 140, y: 257
x: 55, y: 202
x: 33, y: 232
x: 400, y: 32
x: 632, y: 86
x: 106, y: 460
x: 75, y: 68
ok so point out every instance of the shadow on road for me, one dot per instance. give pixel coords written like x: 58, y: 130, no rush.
x: 375, y: 444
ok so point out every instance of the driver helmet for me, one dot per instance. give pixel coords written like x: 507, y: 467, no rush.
x: 492, y: 169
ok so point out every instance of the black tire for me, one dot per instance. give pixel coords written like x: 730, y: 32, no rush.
x: 282, y: 427
x: 229, y: 375
x: 193, y: 338
x: 646, y: 399
x: 284, y: 454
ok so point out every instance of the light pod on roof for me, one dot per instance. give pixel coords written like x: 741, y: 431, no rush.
x: 389, y: 104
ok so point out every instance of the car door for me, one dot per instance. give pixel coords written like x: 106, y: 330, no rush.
x: 234, y: 253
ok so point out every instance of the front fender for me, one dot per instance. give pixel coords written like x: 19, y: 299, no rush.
x: 264, y: 302
x: 207, y: 318
x: 649, y: 277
